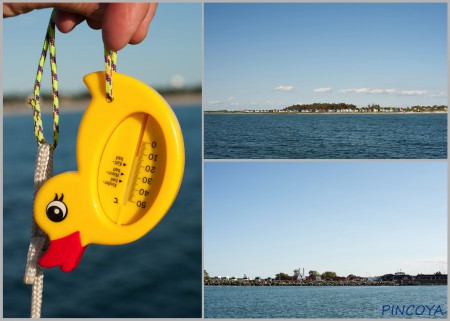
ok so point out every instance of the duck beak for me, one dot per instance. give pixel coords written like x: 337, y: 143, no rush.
x: 65, y: 252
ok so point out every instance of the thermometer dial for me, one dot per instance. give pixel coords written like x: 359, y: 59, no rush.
x: 130, y: 175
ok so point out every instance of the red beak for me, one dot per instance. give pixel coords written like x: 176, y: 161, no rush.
x: 65, y: 252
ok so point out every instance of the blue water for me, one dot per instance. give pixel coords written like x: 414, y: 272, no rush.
x: 159, y: 275
x: 277, y: 136
x: 323, y: 302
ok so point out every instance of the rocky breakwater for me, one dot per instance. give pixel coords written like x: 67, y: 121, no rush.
x: 294, y: 283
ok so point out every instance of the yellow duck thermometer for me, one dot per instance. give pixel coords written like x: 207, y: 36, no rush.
x: 130, y: 158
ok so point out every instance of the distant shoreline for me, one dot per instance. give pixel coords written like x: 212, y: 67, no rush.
x: 67, y: 104
x: 307, y: 283
x: 320, y: 113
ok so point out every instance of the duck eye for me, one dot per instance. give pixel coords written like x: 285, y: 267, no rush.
x: 56, y: 211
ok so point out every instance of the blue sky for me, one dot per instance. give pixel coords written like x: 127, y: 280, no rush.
x: 173, y: 48
x: 261, y: 56
x: 365, y: 218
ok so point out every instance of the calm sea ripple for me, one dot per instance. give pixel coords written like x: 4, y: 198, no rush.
x: 324, y: 301
x: 279, y: 136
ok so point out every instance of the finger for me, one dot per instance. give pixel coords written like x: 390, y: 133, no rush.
x: 89, y: 10
x: 66, y: 21
x: 15, y: 9
x: 142, y: 30
x: 92, y: 10
x: 120, y: 22
x: 94, y: 24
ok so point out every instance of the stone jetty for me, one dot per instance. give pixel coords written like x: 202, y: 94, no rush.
x: 294, y: 283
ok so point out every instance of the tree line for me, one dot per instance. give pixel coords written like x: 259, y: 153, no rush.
x: 285, y: 276
x: 312, y: 273
x: 370, y: 107
x: 320, y: 106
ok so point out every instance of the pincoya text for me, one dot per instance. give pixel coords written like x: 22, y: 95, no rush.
x: 409, y: 310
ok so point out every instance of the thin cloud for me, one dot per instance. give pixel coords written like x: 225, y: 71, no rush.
x: 285, y: 88
x: 322, y: 90
x: 441, y: 94
x: 355, y: 91
x: 214, y: 102
x: 392, y: 91
x: 414, y: 92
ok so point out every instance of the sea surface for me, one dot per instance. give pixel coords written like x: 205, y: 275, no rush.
x: 323, y: 136
x: 325, y: 301
x: 159, y: 275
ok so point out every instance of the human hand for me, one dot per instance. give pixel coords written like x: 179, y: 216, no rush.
x: 121, y: 23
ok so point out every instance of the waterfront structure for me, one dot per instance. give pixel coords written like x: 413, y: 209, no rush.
x: 398, y: 278
x: 431, y: 279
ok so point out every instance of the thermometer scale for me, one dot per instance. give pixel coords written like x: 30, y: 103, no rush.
x: 130, y: 178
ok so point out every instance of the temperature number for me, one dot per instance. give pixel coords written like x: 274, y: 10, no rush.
x: 148, y: 170
x: 147, y: 180
x: 141, y: 204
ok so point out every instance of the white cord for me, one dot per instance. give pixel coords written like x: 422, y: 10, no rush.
x: 34, y: 274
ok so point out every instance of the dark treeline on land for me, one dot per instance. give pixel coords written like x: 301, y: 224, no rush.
x: 339, y: 107
x: 328, y: 278
x: 320, y: 106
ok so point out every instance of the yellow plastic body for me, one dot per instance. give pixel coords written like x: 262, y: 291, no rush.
x: 130, y: 158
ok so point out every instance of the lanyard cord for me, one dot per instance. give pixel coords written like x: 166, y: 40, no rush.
x: 110, y: 67
x: 34, y: 274
x: 49, y: 42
